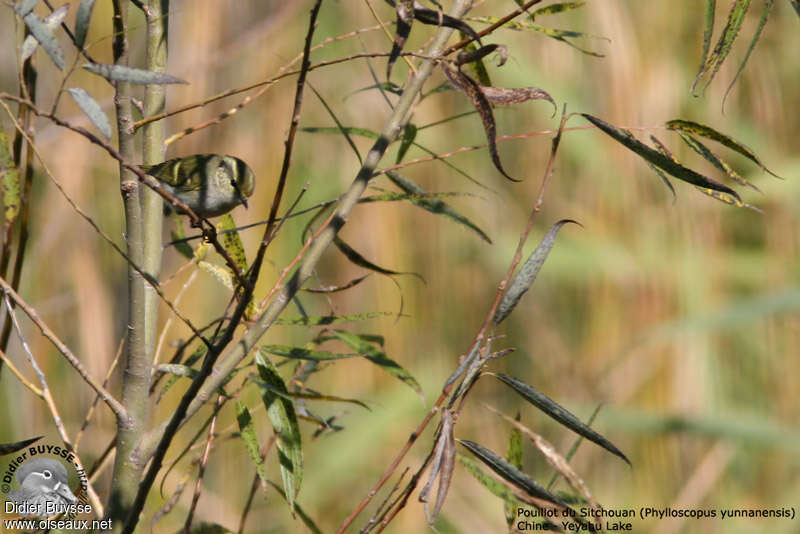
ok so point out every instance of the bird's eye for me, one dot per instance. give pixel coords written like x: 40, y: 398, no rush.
x: 47, y: 474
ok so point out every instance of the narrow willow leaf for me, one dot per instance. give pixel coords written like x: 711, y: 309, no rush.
x: 472, y: 89
x: 331, y: 319
x: 560, y: 414
x: 796, y: 6
x: 444, y: 457
x: 405, y: 18
x: 220, y: 273
x: 304, y: 517
x: 761, y: 23
x: 44, y: 35
x: 435, y: 206
x: 120, y: 73
x: 247, y: 432
x: 299, y: 353
x: 553, y: 8
x: 564, y: 36
x: 361, y: 261
x: 527, y: 274
x: 178, y: 234
x: 510, y: 473
x: 9, y: 181
x: 709, y: 133
x: 231, y: 241
x: 497, y: 488
x: 514, y: 457
x: 708, y: 31
x: 363, y: 132
x: 437, y: 18
x: 193, y: 358
x: 25, y: 7
x: 506, y: 96
x: 10, y: 448
x: 473, y: 56
x: 82, y: 22
x: 659, y: 160
x: 335, y: 289
x: 661, y: 148
x: 284, y: 422
x: 92, y: 110
x: 389, y: 87
x: 556, y: 460
x: 406, y: 140
x: 712, y: 158
x: 729, y: 33
x: 365, y: 347
x: 51, y: 21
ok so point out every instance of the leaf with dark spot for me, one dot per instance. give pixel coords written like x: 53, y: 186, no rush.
x: 723, y: 47
x: 761, y: 23
x: 659, y: 160
x: 709, y: 133
x: 712, y: 158
x: 661, y: 148
x: 708, y: 31
x: 470, y: 87
x: 437, y: 18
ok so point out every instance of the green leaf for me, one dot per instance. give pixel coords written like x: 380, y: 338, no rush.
x: 514, y: 457
x: 761, y: 23
x: 527, y: 274
x: 284, y: 421
x: 497, y: 488
x: 709, y: 133
x: 708, y: 31
x: 435, y: 206
x: 299, y: 353
x: 300, y: 512
x: 729, y: 33
x: 406, y: 140
x: 44, y: 35
x: 9, y: 181
x: 331, y: 319
x: 560, y: 414
x: 248, y: 434
x: 121, y: 73
x: 659, y: 160
x: 364, y: 346
x: 477, y: 67
x: 179, y: 237
x: 703, y: 150
x: 222, y: 274
x: 553, y: 9
x: 82, y: 22
x: 796, y: 6
x: 92, y: 110
x: 510, y: 473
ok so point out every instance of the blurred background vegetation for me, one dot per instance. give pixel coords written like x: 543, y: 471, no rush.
x: 682, y: 319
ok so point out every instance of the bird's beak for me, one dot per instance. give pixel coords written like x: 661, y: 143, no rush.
x: 64, y: 491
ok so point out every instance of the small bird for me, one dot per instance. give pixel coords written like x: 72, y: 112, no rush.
x: 209, y: 184
x: 42, y: 481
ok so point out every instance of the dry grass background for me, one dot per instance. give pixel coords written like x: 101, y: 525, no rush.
x: 682, y: 319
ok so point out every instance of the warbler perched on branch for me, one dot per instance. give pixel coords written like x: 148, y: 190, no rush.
x: 209, y: 184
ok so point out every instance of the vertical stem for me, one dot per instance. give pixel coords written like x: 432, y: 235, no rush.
x: 157, y: 14
x: 136, y: 377
x: 28, y: 90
